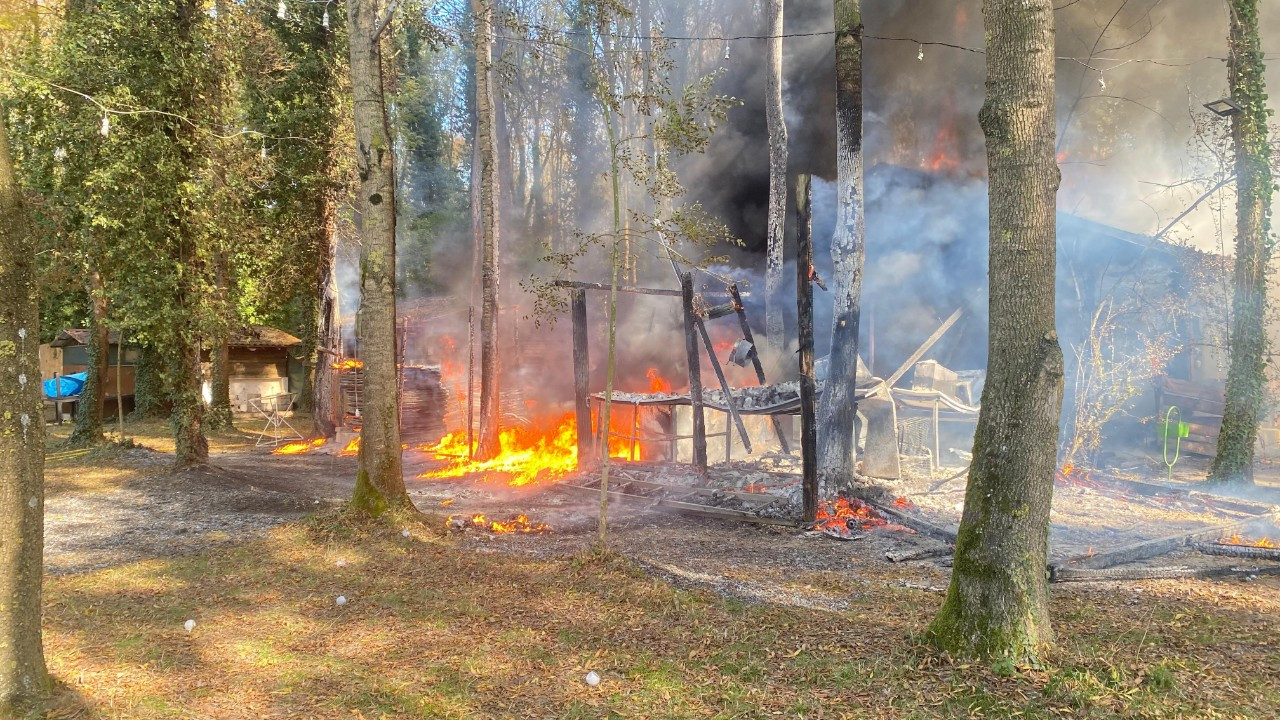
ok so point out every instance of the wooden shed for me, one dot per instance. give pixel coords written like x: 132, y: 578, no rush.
x: 259, y: 365
x: 74, y: 347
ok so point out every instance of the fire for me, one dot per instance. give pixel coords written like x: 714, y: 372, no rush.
x: 839, y: 515
x: 348, y: 364
x: 1237, y: 539
x: 517, y: 524
x: 352, y: 448
x: 656, y: 383
x: 525, y: 454
x: 844, y: 517
x: 943, y: 157
x: 297, y: 448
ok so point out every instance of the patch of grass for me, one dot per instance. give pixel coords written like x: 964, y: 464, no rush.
x: 434, y: 630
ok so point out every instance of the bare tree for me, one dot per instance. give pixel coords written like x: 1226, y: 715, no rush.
x: 997, y: 603
x: 838, y: 407
x: 490, y: 407
x: 379, y: 482
x: 1246, y: 377
x: 23, y: 677
x: 775, y: 328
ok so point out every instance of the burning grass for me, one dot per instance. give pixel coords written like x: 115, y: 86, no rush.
x: 433, y: 629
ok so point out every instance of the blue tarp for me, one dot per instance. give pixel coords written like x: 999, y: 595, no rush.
x: 69, y: 384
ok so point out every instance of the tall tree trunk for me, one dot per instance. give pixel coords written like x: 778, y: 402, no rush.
x: 774, y: 326
x: 380, y: 479
x: 219, y: 416
x: 322, y: 378
x: 1246, y: 377
x: 191, y: 447
x: 997, y: 604
x: 88, y: 430
x: 490, y: 407
x: 23, y: 678
x: 838, y: 407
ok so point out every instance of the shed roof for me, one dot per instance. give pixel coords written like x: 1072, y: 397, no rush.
x: 253, y: 336
x: 262, y: 336
x: 80, y: 336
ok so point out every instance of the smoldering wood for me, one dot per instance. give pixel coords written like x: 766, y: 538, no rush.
x: 1059, y: 574
x: 581, y: 376
x: 755, y: 361
x: 724, y: 386
x: 1250, y: 552
x: 1161, y: 546
x: 924, y: 527
x: 808, y: 386
x: 695, y: 375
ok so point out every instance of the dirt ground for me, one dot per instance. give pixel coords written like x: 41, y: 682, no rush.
x: 117, y: 506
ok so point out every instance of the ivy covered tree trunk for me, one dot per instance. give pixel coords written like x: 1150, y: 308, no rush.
x: 838, y: 407
x: 23, y: 678
x: 88, y: 430
x: 490, y: 406
x: 1246, y: 376
x: 997, y: 603
x: 219, y: 416
x: 380, y: 479
x: 775, y: 327
x: 191, y: 447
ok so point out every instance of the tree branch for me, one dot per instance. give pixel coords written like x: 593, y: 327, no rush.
x: 385, y: 20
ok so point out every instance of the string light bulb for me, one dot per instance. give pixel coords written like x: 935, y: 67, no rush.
x: 1102, y: 81
x: 324, y: 21
x: 282, y: 12
x: 59, y: 154
x: 105, y: 128
x: 920, y: 54
x: 726, y: 51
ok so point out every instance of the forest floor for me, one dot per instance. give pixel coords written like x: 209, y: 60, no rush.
x: 692, y: 618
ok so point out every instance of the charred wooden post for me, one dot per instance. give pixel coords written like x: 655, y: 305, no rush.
x: 695, y: 375
x: 581, y: 375
x: 755, y: 362
x: 724, y: 385
x: 808, y: 388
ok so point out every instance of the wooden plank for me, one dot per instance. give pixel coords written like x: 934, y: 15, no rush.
x: 1193, y: 390
x: 575, y: 285
x: 581, y: 377
x: 755, y: 362
x: 695, y: 376
x: 808, y: 388
x: 724, y: 386
x: 1207, y: 449
x: 919, y: 353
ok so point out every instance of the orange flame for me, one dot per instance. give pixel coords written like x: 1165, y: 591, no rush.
x: 656, y: 382
x: 1237, y: 539
x: 517, y: 524
x: 352, y: 448
x: 844, y: 516
x: 348, y: 364
x: 297, y: 448
x: 525, y: 454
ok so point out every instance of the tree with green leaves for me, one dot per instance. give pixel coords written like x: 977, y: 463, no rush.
x: 997, y: 605
x: 1246, y: 377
